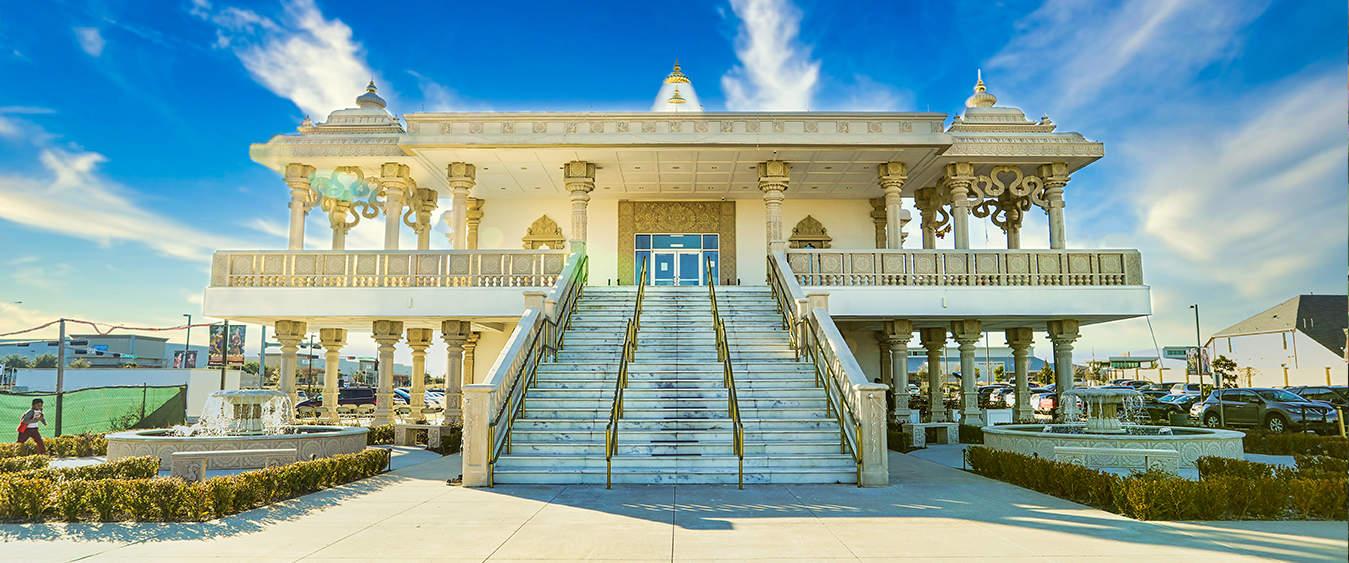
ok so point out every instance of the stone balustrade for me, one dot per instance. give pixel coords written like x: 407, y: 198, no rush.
x: 387, y: 268
x: 966, y: 267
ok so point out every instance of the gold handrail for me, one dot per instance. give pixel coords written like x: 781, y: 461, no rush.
x: 805, y: 339
x: 546, y: 336
x: 621, y: 381
x: 727, y: 379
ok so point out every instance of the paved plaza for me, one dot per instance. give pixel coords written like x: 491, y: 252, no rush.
x: 928, y: 511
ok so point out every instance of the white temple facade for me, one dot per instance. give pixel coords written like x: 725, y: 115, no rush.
x: 809, y: 205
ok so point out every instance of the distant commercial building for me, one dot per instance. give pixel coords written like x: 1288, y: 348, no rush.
x: 103, y: 350
x: 1298, y: 342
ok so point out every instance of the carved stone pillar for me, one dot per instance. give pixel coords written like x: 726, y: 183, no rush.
x: 455, y: 334
x: 302, y: 198
x: 892, y: 176
x: 1062, y: 333
x: 387, y: 334
x: 1019, y: 340
x: 898, y: 333
x: 934, y: 341
x: 932, y: 217
x: 338, y: 211
x: 967, y: 333
x: 959, y: 179
x: 470, y: 350
x: 1056, y: 179
x: 579, y: 178
x: 418, y: 216
x: 333, y: 339
x: 462, y: 177
x: 773, y: 181
x: 289, y: 334
x: 474, y: 218
x: 395, y: 182
x: 878, y: 219
x: 419, y: 339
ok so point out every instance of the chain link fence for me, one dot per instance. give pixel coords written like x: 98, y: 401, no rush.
x: 102, y: 409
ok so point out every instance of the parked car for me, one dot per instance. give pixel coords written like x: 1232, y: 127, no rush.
x: 346, y: 396
x: 1161, y: 409
x: 1275, y: 410
x: 1337, y: 395
x: 1009, y: 396
x: 1185, y: 388
x: 1135, y: 383
x: 1155, y: 390
x: 986, y: 393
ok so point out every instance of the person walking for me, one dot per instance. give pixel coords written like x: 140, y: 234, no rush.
x: 28, y: 426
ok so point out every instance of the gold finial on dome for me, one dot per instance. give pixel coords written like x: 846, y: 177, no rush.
x: 676, y: 98
x: 981, y: 97
x: 677, y: 76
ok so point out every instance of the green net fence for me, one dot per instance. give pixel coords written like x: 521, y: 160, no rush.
x: 102, y: 409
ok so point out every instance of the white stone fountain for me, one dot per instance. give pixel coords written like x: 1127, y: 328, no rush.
x: 244, y: 419
x: 1107, y: 427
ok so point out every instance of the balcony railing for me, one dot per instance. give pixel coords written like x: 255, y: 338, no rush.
x: 387, y: 268
x: 966, y: 267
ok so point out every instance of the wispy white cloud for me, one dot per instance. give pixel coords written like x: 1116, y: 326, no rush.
x: 305, y: 57
x: 435, y: 96
x: 1085, y: 52
x: 90, y: 40
x: 776, y: 70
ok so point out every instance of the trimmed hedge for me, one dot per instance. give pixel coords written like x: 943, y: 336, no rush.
x: 381, y: 435
x: 143, y: 467
x: 174, y: 500
x: 970, y: 434
x: 72, y: 445
x: 23, y: 463
x: 1227, y: 489
x: 1258, y: 442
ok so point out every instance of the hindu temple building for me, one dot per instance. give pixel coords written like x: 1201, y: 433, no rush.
x: 576, y: 310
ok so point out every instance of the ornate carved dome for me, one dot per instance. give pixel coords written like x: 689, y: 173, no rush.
x: 676, y: 93
x: 370, y: 99
x: 981, y: 98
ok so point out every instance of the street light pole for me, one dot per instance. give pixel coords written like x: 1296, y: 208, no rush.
x: 187, y: 341
x: 1199, y: 369
x: 60, y: 375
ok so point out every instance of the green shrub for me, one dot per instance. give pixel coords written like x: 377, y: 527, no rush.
x: 142, y: 467
x: 72, y: 445
x: 1227, y: 490
x: 29, y: 498
x: 1065, y: 480
x: 1321, y: 464
x: 1258, y: 442
x: 381, y: 435
x: 23, y: 463
x: 970, y: 434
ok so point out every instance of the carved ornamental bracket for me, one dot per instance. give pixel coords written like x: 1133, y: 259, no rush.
x: 544, y: 233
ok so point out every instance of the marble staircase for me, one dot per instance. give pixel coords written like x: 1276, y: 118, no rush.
x: 675, y: 427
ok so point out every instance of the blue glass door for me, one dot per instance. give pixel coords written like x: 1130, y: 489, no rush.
x: 663, y: 268
x: 689, y: 266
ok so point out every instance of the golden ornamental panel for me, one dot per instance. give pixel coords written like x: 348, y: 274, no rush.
x: 335, y: 264
x: 366, y: 265
x: 675, y: 217
x: 306, y: 264
x: 241, y: 264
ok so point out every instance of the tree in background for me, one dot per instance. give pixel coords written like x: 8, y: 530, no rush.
x: 1226, y: 369
x: 45, y: 361
x: 999, y: 373
x: 1046, y: 374
x: 16, y: 361
x: 80, y: 363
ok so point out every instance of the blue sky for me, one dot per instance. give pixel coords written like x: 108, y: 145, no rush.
x: 124, y: 125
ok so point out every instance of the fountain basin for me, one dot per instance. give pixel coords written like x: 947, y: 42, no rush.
x: 1190, y: 443
x: 309, y: 442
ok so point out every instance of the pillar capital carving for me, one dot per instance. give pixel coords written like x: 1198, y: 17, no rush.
x: 332, y: 337
x: 419, y: 339
x: 898, y: 331
x: 387, y: 333
x: 958, y: 182
x: 290, y: 333
x: 967, y: 332
x: 300, y: 178
x: 774, y: 175
x: 892, y: 175
x: 1019, y: 338
x: 1063, y: 332
x: 461, y: 175
x: 579, y: 175
x: 455, y: 330
x: 933, y: 337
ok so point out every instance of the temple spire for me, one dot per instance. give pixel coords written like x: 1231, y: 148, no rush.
x: 676, y: 93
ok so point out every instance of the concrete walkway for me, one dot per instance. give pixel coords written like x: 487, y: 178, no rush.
x: 931, y: 511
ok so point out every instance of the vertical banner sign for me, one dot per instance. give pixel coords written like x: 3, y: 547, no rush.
x: 215, y: 357
x: 234, y: 356
x: 185, y: 358
x: 1197, y: 361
